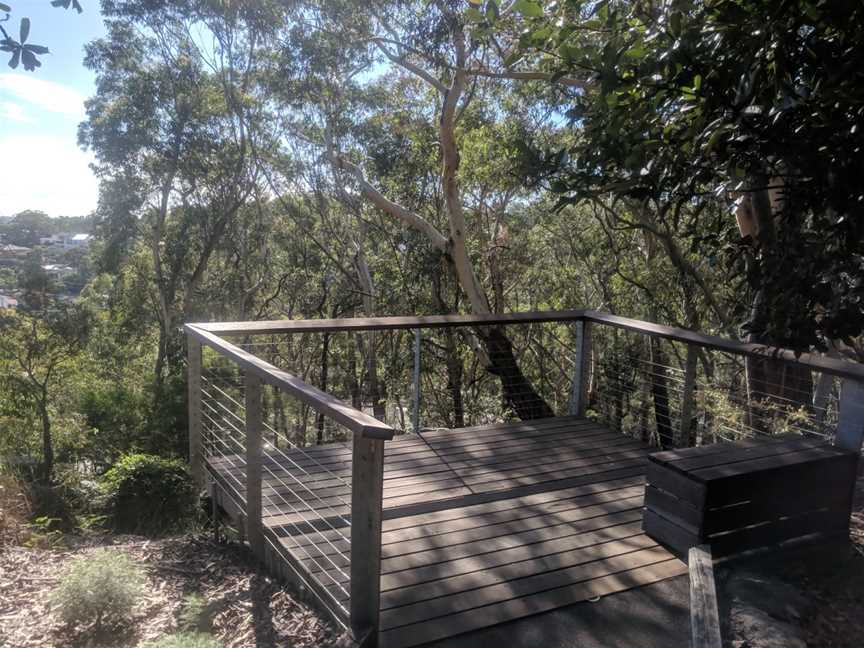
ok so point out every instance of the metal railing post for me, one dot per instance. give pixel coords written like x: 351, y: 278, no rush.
x: 367, y: 486
x: 850, y: 426
x: 196, y: 449
x: 684, y: 424
x: 415, y: 411
x: 581, y: 370
x: 254, y: 531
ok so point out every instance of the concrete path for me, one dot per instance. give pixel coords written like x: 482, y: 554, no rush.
x: 653, y: 616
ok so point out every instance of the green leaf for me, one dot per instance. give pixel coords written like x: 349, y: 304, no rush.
x: 25, y: 30
x: 5, y: 7
x: 528, y: 8
x: 635, y: 52
x: 492, y: 12
x: 473, y: 15
x: 715, y: 137
x: 675, y: 22
x: 542, y: 34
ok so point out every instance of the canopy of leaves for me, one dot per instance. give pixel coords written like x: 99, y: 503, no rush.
x: 692, y: 102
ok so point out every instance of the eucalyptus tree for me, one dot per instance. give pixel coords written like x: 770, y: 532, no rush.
x: 169, y: 126
x: 434, y: 44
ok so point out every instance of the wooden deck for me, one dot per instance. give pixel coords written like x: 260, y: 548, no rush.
x: 481, y: 526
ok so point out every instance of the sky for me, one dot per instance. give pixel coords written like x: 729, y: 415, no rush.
x: 41, y: 165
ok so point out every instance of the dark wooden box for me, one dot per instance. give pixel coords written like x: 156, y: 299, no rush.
x: 748, y: 494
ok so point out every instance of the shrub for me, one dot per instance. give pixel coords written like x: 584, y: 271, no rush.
x: 147, y: 494
x: 195, y: 615
x: 184, y: 640
x: 103, y: 587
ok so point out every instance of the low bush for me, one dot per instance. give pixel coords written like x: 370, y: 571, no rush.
x: 100, y: 589
x: 185, y: 640
x: 147, y: 494
x: 195, y: 614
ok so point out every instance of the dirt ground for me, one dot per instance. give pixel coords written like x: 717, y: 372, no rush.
x: 247, y: 608
x: 809, y: 596
x: 812, y: 596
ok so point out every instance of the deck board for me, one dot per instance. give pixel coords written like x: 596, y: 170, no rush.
x: 481, y: 526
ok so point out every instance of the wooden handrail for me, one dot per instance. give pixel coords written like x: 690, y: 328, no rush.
x: 818, y: 362
x: 833, y: 366
x: 355, y: 420
x: 268, y: 327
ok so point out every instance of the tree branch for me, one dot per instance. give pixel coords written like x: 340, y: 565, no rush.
x: 409, y: 218
x: 527, y: 75
x: 414, y: 69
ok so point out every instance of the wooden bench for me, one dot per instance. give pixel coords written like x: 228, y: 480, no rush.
x: 748, y: 494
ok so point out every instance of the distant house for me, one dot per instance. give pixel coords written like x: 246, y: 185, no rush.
x: 8, y: 302
x: 9, y: 252
x: 66, y: 241
x: 58, y: 272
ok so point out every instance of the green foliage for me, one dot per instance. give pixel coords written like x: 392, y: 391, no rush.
x: 102, y: 588
x: 195, y: 615
x: 44, y: 533
x: 115, y: 414
x: 147, y: 494
x: 184, y: 640
x: 697, y: 103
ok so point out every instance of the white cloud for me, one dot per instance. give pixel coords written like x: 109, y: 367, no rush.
x: 14, y: 112
x: 47, y: 173
x: 47, y: 95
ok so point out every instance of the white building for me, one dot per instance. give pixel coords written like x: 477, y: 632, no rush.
x: 8, y: 302
x: 66, y: 241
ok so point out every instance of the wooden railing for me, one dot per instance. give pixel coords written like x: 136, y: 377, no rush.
x: 368, y: 438
x: 591, y: 348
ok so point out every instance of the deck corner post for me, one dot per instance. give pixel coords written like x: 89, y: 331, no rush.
x: 687, y: 393
x: 581, y: 370
x: 850, y: 426
x: 367, y: 491
x: 254, y: 531
x: 196, y: 448
x: 415, y: 405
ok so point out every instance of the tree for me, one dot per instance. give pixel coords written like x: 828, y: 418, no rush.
x: 434, y: 48
x: 169, y: 132
x: 27, y: 227
x: 37, y: 352
x: 759, y: 103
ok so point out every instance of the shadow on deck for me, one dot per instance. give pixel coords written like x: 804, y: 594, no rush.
x: 481, y: 525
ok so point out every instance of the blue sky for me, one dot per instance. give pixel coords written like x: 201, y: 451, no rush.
x: 42, y: 166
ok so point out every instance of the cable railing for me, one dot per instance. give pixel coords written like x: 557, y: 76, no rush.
x: 257, y: 431
x: 291, y: 418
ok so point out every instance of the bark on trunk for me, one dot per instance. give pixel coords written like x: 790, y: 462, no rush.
x: 454, y: 380
x: 47, y: 442
x: 660, y: 395
x: 518, y: 391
